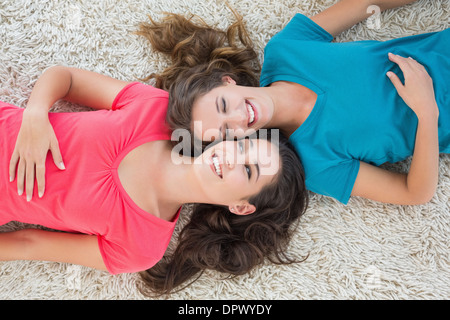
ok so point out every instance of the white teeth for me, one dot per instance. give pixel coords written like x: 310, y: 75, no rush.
x: 251, y: 113
x: 217, y: 166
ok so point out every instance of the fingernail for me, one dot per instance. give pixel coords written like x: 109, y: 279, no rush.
x: 20, y: 192
x: 11, y: 179
x: 28, y: 197
x: 389, y: 74
x: 41, y: 193
x: 62, y: 166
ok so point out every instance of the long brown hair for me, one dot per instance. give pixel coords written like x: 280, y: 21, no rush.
x: 200, y: 57
x: 218, y: 240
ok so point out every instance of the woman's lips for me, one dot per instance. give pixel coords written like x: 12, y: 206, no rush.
x: 251, y: 111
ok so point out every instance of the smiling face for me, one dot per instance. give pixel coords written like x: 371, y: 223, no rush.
x: 230, y: 109
x: 231, y: 172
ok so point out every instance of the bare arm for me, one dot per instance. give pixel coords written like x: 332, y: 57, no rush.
x: 34, y: 244
x: 390, y: 4
x: 419, y: 185
x: 80, y: 86
x: 346, y: 13
x: 36, y: 136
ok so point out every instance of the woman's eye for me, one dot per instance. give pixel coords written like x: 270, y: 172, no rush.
x: 249, y: 172
x: 224, y: 106
x: 241, y: 146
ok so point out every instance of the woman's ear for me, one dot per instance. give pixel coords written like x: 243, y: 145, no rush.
x: 228, y: 80
x: 242, y: 209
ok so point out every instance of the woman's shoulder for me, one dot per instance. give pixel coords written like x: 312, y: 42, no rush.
x: 138, y: 93
x: 300, y: 27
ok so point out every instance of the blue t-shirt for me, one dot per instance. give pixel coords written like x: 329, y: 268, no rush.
x: 358, y: 115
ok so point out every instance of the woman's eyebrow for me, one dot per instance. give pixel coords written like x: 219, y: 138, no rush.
x: 221, y: 130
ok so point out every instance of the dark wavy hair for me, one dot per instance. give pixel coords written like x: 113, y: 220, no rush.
x: 233, y: 244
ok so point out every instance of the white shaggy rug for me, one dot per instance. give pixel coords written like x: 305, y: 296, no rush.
x: 364, y: 250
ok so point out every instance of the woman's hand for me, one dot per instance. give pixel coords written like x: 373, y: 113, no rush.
x: 418, y: 91
x: 419, y: 185
x: 36, y: 137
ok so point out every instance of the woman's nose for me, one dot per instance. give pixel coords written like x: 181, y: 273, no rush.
x: 233, y: 157
x: 229, y: 159
x: 238, y: 120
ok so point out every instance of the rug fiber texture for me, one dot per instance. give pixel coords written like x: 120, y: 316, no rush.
x: 365, y: 250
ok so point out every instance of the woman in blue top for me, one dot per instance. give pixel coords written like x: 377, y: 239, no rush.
x: 347, y: 107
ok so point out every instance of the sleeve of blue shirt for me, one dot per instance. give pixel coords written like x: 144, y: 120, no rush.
x: 303, y: 28
x: 336, y: 181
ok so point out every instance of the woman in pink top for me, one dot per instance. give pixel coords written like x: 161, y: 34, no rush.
x: 119, y: 190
